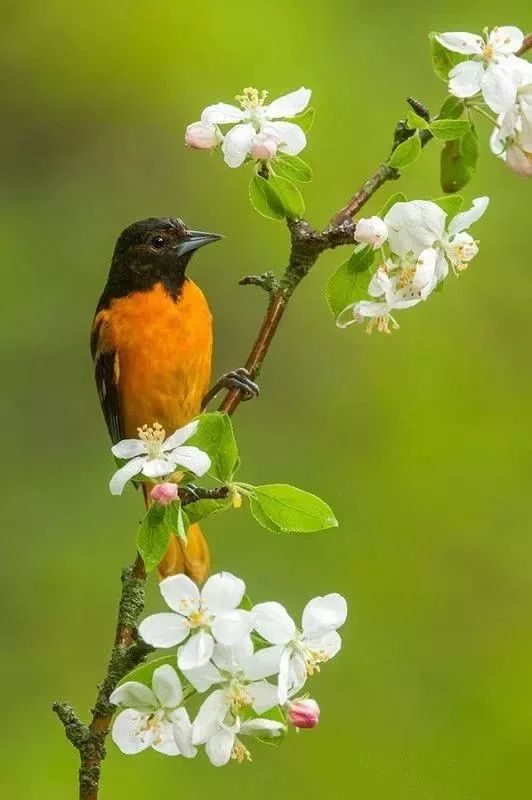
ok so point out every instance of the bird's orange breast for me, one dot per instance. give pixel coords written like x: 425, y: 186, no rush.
x: 164, y: 349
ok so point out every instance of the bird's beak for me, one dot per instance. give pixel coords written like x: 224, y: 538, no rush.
x: 196, y: 239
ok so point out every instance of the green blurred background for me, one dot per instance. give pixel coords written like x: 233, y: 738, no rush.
x: 420, y: 440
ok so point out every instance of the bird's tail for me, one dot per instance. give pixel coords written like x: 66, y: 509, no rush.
x: 192, y: 558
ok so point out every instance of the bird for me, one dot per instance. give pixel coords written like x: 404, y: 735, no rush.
x: 151, y: 344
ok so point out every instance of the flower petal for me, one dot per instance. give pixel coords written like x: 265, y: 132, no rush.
x: 164, y: 630
x: 183, y: 732
x: 265, y: 728
x: 232, y: 627
x: 498, y: 88
x: 124, y: 474
x: 209, y: 716
x: 506, y: 39
x: 237, y: 144
x: 223, y: 114
x: 167, y: 686
x: 129, y: 448
x: 330, y: 644
x: 196, y: 652
x: 465, y: 79
x: 264, y: 663
x: 234, y: 658
x: 202, y: 678
x: 134, y: 695
x: 158, y: 467
x: 289, y: 104
x: 460, y: 42
x: 180, y: 436
x: 292, y: 139
x: 414, y: 226
x: 442, y: 267
x: 181, y: 594
x: 465, y: 219
x: 379, y: 284
x: 424, y: 280
x: 274, y: 623
x: 324, y: 614
x: 347, y: 317
x: 264, y: 696
x: 219, y: 747
x: 223, y: 592
x: 164, y: 739
x: 129, y: 733
x: 284, y: 680
x: 192, y: 458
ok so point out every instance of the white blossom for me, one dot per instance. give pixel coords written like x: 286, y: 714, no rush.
x: 153, y: 717
x: 489, y: 70
x: 300, y: 652
x: 511, y: 139
x: 259, y: 129
x: 203, y: 136
x: 155, y: 456
x: 371, y: 231
x: 198, y: 619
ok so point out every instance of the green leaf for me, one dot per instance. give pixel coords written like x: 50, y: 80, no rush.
x: 144, y: 674
x: 153, y: 534
x: 458, y: 162
x: 289, y: 195
x: 264, y: 199
x: 262, y: 518
x: 216, y: 437
x: 291, y: 509
x: 414, y: 121
x: 406, y: 153
x: 398, y: 197
x: 350, y: 281
x: 293, y: 168
x: 451, y: 204
x: 443, y: 60
x: 206, y: 508
x: 449, y: 129
x: 452, y: 108
x: 305, y: 120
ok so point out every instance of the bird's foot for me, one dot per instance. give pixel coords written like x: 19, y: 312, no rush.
x: 236, y: 379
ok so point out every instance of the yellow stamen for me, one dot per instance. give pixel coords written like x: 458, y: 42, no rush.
x: 240, y: 753
x: 251, y: 99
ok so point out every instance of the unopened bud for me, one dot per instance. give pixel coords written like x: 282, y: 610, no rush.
x: 304, y: 713
x: 202, y: 136
x: 371, y: 231
x: 264, y: 148
x: 164, y: 493
x: 519, y: 161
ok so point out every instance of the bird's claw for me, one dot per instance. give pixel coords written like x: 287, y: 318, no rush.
x: 239, y: 379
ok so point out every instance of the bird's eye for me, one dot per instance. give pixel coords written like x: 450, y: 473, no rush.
x: 157, y: 242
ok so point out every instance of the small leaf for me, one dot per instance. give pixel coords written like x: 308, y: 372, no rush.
x: 206, y: 508
x: 398, y: 197
x: 449, y: 129
x: 289, y: 195
x: 443, y: 60
x: 452, y: 108
x: 350, y: 281
x: 305, y: 120
x: 458, y: 162
x: 261, y: 518
x: 216, y: 437
x: 414, y: 121
x: 153, y: 535
x: 293, y: 168
x: 264, y: 199
x: 292, y: 509
x: 406, y: 153
x: 451, y: 204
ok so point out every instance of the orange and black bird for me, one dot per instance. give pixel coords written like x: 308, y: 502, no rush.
x: 151, y: 343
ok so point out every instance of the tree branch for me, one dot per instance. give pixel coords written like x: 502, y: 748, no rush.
x: 527, y: 45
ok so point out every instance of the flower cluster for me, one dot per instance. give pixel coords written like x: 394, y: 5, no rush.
x: 155, y: 456
x: 505, y: 82
x: 247, y: 662
x: 257, y: 130
x: 420, y: 248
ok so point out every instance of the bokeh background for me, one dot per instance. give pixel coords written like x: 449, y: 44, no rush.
x: 420, y: 440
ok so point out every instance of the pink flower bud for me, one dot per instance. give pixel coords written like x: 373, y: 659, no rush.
x: 164, y: 493
x: 304, y: 713
x: 519, y: 161
x: 371, y: 231
x: 264, y: 148
x: 202, y: 136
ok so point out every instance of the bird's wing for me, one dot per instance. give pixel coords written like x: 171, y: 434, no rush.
x: 106, y: 373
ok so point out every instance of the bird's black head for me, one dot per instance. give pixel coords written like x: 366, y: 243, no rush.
x: 154, y: 250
